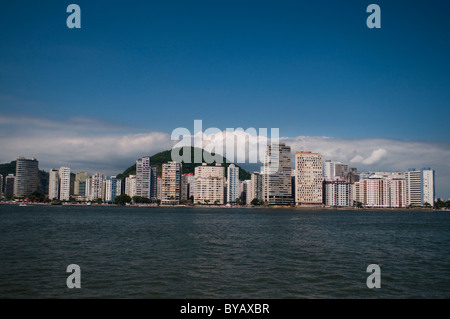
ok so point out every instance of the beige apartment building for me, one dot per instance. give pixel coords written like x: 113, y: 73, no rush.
x: 171, y: 183
x: 209, y: 184
x: 308, y: 178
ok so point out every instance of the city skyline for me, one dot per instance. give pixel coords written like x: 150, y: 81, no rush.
x: 97, y: 98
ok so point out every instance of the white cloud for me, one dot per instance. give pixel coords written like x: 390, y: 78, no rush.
x: 375, y: 157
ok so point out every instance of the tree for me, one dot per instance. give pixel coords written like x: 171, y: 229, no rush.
x: 98, y: 201
x: 216, y: 202
x: 440, y: 204
x: 207, y: 201
x: 427, y: 205
x: 358, y: 204
x: 122, y: 199
x: 183, y: 202
x: 256, y: 202
x: 140, y: 199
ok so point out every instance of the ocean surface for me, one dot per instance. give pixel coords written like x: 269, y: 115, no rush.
x: 132, y: 252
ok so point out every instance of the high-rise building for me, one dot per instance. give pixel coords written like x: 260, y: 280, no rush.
x: 308, y: 179
x: 277, y: 188
x: 27, y: 176
x: 398, y: 192
x: 130, y: 185
x: 209, y: 184
x: 256, y: 186
x: 375, y: 192
x: 232, y: 183
x: 53, y: 184
x: 143, y: 177
x: 10, y: 180
x: 413, y: 187
x: 187, y: 186
x: 246, y: 192
x: 334, y: 170
x: 171, y: 183
x: 381, y: 190
x: 159, y: 188
x: 420, y: 187
x: 64, y: 184
x: 338, y: 193
x: 353, y: 175
x: 96, y: 188
x: 428, y: 193
x: 112, y: 188
x: 154, y: 183
x: 80, y: 184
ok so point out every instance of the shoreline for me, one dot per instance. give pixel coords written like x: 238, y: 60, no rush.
x: 300, y: 208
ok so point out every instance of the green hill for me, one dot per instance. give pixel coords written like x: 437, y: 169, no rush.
x: 163, y: 157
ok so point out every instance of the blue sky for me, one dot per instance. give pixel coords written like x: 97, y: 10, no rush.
x: 309, y: 68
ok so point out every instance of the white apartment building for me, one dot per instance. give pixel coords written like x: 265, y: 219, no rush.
x: 130, y: 185
x: 96, y: 186
x: 232, y: 183
x: 113, y: 188
x: 420, y: 187
x: 64, y: 184
x: 143, y: 177
x: 338, y: 193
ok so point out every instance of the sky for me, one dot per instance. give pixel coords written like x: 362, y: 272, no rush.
x: 98, y: 97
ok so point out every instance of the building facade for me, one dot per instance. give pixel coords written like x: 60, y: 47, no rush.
x: 256, y: 186
x: 308, y: 179
x: 113, y: 188
x: 420, y: 187
x: 187, y: 186
x: 64, y: 183
x: 53, y: 184
x: 96, y: 186
x: 10, y: 181
x: 143, y: 177
x: 338, y: 193
x: 27, y: 176
x: 130, y: 185
x: 79, y: 187
x: 209, y: 184
x: 232, y: 183
x: 277, y: 188
x: 171, y: 183
x: 335, y: 170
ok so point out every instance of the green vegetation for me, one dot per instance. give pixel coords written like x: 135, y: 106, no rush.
x: 141, y: 200
x: 358, y: 204
x: 440, y: 204
x: 122, y: 199
x: 163, y: 157
x: 257, y: 202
